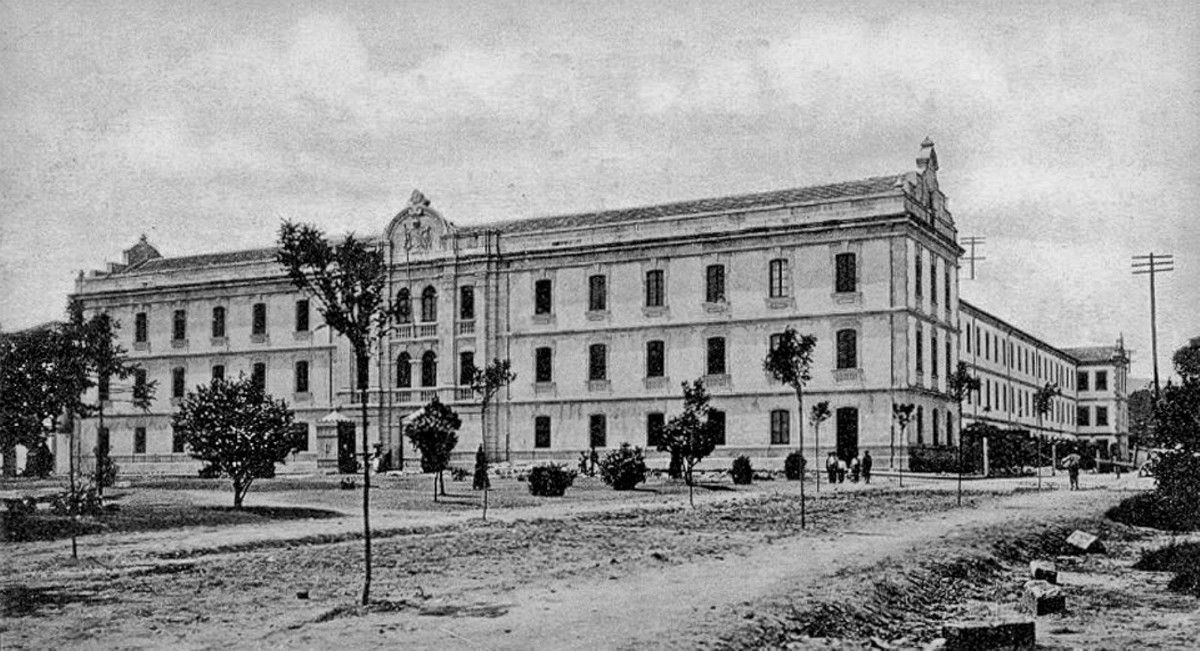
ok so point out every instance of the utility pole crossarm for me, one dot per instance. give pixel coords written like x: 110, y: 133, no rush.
x: 1151, y: 265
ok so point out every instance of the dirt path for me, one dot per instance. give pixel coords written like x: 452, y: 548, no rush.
x: 671, y: 606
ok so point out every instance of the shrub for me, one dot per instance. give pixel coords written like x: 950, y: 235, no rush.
x: 458, y: 474
x: 742, y: 470
x: 106, y: 471
x: 794, y: 465
x: 550, y: 480
x: 623, y: 468
x: 480, y: 479
x: 209, y: 472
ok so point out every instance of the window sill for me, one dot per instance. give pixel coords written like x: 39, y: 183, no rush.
x: 302, y: 396
x: 779, y: 302
x: 847, y: 298
x: 655, y: 310
x: 718, y: 381
x: 544, y: 388
x: 218, y: 341
x: 141, y: 345
x: 657, y: 382
x: 302, y: 335
x: 842, y: 375
x: 598, y: 315
x: 260, y: 339
x: 179, y: 343
x: 543, y: 319
x: 716, y: 308
x: 599, y: 385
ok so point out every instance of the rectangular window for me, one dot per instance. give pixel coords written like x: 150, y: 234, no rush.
x: 218, y: 372
x: 259, y: 321
x: 300, y: 431
x: 714, y: 283
x: 543, y: 299
x: 846, y: 279
x: 716, y: 356
x: 847, y: 349
x: 139, y: 440
x: 1082, y: 416
x: 597, y: 362
x: 920, y: 351
x: 466, y: 303
x: 597, y: 293
x: 302, y: 376
x: 780, y: 427
x: 1101, y: 416
x: 466, y: 368
x: 777, y: 278
x: 919, y: 271
x: 654, y: 288
x: 103, y: 442
x: 1102, y: 380
x: 716, y: 419
x: 946, y: 286
x: 302, y: 315
x: 179, y: 325
x: 968, y: 342
x: 920, y: 425
x: 655, y: 422
x: 177, y: 441
x: 178, y: 382
x: 258, y: 375
x: 597, y: 431
x: 140, y: 330
x: 655, y: 359
x: 104, y: 388
x: 140, y: 389
x: 218, y: 322
x: 933, y: 351
x: 933, y: 295
x: 541, y: 432
x: 543, y: 365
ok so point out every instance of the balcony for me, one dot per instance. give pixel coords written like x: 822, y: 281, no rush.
x: 464, y: 394
x: 466, y: 328
x: 427, y: 331
x: 428, y: 395
x: 404, y: 332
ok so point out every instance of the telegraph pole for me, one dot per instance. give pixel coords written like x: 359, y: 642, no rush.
x: 1150, y: 265
x: 972, y: 242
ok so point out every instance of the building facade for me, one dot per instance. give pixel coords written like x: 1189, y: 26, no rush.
x: 602, y: 315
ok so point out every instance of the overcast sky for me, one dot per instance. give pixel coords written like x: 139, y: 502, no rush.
x: 1068, y: 135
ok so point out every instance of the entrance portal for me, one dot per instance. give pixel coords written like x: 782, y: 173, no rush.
x: 847, y: 433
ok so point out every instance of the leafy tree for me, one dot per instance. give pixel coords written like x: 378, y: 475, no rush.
x: 819, y: 414
x: 961, y: 383
x: 1141, y: 417
x: 349, y: 283
x: 1043, y: 401
x: 691, y: 435
x: 434, y: 432
x: 789, y: 360
x: 902, y: 414
x: 623, y: 468
x: 237, y: 429
x: 29, y: 405
x: 486, y: 382
x: 1177, y: 431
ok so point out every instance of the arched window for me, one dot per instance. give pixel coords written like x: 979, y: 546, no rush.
x: 429, y: 369
x: 429, y: 305
x: 404, y: 305
x: 403, y: 371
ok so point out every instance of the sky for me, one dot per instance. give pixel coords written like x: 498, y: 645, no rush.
x: 1068, y: 133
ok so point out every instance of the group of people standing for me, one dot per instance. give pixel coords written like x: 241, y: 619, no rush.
x: 837, y: 468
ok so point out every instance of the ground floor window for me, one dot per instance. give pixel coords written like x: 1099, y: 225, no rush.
x: 598, y: 431
x: 780, y: 422
x: 717, y: 418
x: 541, y: 432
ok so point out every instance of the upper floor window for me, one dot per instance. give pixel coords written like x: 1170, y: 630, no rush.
x: 714, y: 283
x: 403, y: 371
x: 655, y: 359
x: 301, y: 379
x: 780, y: 425
x: 597, y: 293
x: 716, y: 420
x: 103, y: 388
x: 933, y: 293
x: 919, y: 271
x: 655, y: 422
x: 777, y: 278
x: 218, y: 322
x: 466, y: 368
x: 140, y: 330
x: 1081, y: 380
x: 654, y: 288
x: 466, y: 303
x: 846, y: 273
x: 541, y: 432
x: 716, y: 356
x: 404, y: 305
x: 429, y: 369
x: 302, y: 315
x: 597, y: 362
x: 847, y: 349
x: 597, y: 430
x: 259, y: 320
x: 1083, y: 416
x: 258, y: 375
x: 949, y: 358
x: 140, y: 387
x: 933, y: 354
x: 543, y: 365
x: 1101, y: 416
x: 179, y: 325
x: 1102, y: 380
x: 178, y: 382
x: 429, y: 304
x: 946, y: 286
x: 968, y: 340
x: 920, y: 351
x: 543, y: 298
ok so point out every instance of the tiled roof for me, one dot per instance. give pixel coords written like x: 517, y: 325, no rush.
x: 845, y: 190
x: 205, y: 260
x: 1093, y: 353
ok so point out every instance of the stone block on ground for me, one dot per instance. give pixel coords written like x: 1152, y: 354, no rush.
x: 1085, y: 542
x: 1019, y: 634
x: 1043, y: 571
x: 1041, y: 598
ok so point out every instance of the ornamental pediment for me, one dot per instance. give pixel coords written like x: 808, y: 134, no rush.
x: 419, y: 230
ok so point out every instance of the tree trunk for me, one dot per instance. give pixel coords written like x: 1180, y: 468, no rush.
x: 800, y: 432
x: 960, y: 446
x: 239, y: 492
x: 483, y: 443
x: 366, y: 500
x: 816, y: 454
x: 100, y: 454
x: 74, y: 490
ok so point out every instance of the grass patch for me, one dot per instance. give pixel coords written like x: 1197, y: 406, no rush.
x: 150, y: 517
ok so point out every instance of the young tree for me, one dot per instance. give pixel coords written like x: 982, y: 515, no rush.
x: 902, y: 414
x: 819, y: 414
x: 237, y: 429
x: 690, y: 435
x: 789, y: 360
x: 348, y: 282
x: 961, y: 384
x: 435, y: 433
x: 480, y: 481
x: 1043, y: 401
x: 486, y: 382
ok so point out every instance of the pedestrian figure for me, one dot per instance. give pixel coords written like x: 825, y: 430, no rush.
x: 831, y: 467
x: 841, y: 470
x: 1071, y: 463
x: 867, y: 462
x: 855, y: 467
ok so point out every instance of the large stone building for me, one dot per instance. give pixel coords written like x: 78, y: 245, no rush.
x: 603, y: 315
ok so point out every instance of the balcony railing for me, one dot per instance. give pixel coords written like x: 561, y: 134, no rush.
x: 464, y: 393
x: 426, y: 330
x: 466, y: 328
x: 427, y: 395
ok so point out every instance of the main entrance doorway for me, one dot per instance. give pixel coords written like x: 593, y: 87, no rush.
x: 847, y: 433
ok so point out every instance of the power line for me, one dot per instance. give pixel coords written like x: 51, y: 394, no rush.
x: 972, y: 242
x: 1151, y: 265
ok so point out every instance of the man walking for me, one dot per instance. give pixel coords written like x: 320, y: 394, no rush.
x: 867, y: 462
